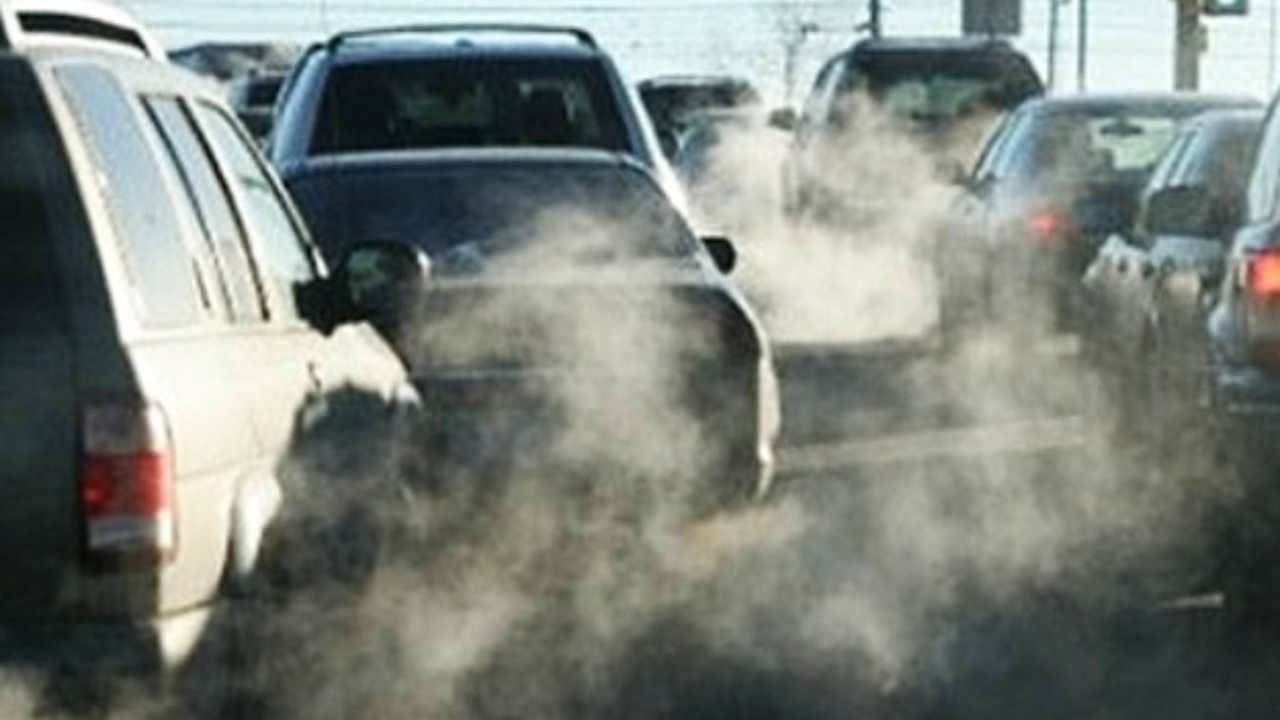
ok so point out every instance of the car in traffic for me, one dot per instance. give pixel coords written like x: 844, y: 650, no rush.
x: 672, y: 101
x: 1144, y: 299
x: 566, y: 293
x: 932, y: 94
x: 461, y: 86
x: 253, y: 98
x: 723, y: 165
x: 1058, y: 178
x: 156, y: 346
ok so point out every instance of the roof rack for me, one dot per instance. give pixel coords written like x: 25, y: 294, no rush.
x: 582, y: 36
x: 79, y: 23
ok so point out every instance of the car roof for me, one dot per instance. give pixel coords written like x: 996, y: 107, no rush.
x: 927, y: 45
x: 692, y: 81
x: 450, y: 159
x: 451, y: 41
x: 74, y: 24
x: 1115, y: 102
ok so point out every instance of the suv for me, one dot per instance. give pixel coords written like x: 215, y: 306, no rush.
x: 253, y: 97
x: 460, y: 86
x: 156, y: 356
x: 929, y: 88
x: 672, y: 101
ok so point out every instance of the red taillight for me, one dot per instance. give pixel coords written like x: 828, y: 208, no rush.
x: 1262, y: 276
x: 1048, y: 224
x: 126, y: 485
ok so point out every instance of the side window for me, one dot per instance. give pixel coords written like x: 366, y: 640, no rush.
x: 985, y: 168
x: 1263, y: 186
x: 285, y: 258
x: 164, y: 274
x: 209, y: 197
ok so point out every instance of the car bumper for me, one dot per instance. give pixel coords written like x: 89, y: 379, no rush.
x: 156, y: 645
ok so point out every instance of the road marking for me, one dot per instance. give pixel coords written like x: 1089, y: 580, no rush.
x: 1008, y: 438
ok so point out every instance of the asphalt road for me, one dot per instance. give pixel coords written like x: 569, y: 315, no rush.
x: 951, y: 538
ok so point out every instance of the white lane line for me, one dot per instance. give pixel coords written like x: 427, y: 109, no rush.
x: 1020, y: 437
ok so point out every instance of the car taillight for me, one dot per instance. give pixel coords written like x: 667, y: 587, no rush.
x: 1048, y: 224
x: 127, y: 486
x: 1261, y: 285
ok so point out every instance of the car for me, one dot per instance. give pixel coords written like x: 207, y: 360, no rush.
x: 472, y: 85
x: 157, y: 349
x: 719, y: 164
x: 1058, y: 178
x: 253, y: 97
x: 672, y: 100
x: 1145, y: 332
x: 930, y: 89
x: 561, y: 280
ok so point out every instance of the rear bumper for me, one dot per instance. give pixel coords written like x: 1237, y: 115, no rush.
x: 145, y: 646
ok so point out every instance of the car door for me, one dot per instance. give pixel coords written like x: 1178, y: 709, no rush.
x: 352, y: 357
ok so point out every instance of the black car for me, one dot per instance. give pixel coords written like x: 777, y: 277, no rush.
x: 1144, y: 289
x: 413, y: 87
x: 1059, y: 177
x: 672, y: 101
x: 562, y: 282
x: 929, y: 88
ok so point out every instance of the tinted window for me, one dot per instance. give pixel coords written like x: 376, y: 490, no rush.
x: 942, y: 85
x: 284, y: 253
x: 132, y: 186
x: 262, y: 92
x: 30, y: 299
x: 607, y: 214
x: 1102, y: 144
x: 210, y: 200
x: 463, y: 103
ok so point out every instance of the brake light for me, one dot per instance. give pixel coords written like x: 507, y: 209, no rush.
x: 1048, y: 224
x: 1262, y: 276
x: 126, y: 485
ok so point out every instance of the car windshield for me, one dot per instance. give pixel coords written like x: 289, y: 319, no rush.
x: 463, y: 214
x: 458, y: 102
x: 935, y: 86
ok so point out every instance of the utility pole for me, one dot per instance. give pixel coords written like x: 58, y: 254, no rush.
x: 1052, y: 71
x: 873, y: 8
x: 1188, y: 34
x: 1082, y: 55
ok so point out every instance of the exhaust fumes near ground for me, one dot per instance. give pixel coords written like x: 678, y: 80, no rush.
x: 581, y: 584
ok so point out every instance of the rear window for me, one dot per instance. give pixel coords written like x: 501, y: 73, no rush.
x: 262, y: 92
x: 30, y: 296
x: 591, y: 215
x: 942, y: 85
x: 1117, y: 144
x: 468, y: 103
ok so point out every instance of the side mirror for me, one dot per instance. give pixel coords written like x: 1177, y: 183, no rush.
x: 1180, y: 210
x: 784, y: 119
x: 722, y: 252
x: 383, y: 278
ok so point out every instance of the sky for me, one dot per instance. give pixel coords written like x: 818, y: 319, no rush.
x: 1130, y: 41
